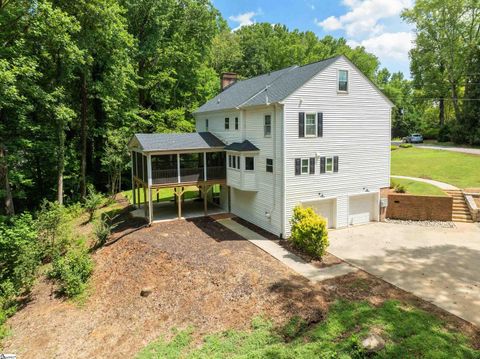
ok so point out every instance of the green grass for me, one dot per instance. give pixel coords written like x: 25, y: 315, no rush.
x: 459, y: 169
x: 164, y: 194
x: 409, y: 333
x: 416, y: 187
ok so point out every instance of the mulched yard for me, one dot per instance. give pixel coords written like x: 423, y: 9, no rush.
x: 202, y: 275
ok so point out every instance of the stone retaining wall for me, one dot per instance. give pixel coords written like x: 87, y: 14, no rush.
x: 419, y: 208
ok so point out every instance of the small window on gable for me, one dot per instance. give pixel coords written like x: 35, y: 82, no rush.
x: 343, y: 80
x: 236, y: 123
x: 249, y: 163
x: 206, y: 124
x: 305, y: 166
x: 269, y: 167
x: 227, y: 123
x: 267, y: 126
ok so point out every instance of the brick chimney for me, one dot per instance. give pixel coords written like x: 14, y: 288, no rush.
x: 227, y: 79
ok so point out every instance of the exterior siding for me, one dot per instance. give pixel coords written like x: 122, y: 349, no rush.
x: 356, y: 127
x: 263, y: 205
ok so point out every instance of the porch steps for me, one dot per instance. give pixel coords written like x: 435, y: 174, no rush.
x: 460, y: 211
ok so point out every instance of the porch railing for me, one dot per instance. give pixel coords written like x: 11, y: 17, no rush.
x: 165, y: 176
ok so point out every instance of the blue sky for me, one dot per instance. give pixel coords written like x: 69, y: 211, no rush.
x: 375, y: 24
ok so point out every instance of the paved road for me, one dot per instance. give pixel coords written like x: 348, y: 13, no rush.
x: 437, y: 264
x: 472, y: 151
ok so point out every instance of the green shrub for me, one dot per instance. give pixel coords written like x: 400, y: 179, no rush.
x: 430, y: 133
x: 103, y: 229
x: 393, y: 148
x: 397, y: 187
x: 54, y: 229
x: 93, y: 200
x: 309, y: 231
x: 72, y: 270
x: 406, y: 145
x: 444, y: 133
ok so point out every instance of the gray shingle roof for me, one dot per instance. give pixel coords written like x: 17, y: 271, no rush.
x: 242, y: 146
x: 276, y: 86
x: 151, y: 142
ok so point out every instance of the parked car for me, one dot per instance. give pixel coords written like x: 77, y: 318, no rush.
x: 413, y: 138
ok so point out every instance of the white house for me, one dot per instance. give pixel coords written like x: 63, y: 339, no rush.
x: 316, y: 135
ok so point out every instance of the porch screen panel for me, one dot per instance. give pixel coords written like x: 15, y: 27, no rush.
x: 216, y: 168
x: 191, y: 167
x: 144, y: 172
x: 164, y: 169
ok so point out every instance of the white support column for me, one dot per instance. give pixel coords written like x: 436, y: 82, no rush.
x: 149, y: 190
x: 134, y: 194
x: 178, y: 167
x: 204, y: 166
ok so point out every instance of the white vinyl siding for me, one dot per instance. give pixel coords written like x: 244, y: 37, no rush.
x: 356, y: 129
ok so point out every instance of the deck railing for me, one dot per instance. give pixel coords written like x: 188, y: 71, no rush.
x: 165, y: 176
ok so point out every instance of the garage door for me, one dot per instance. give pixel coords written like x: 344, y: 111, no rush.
x: 326, y: 209
x: 362, y: 209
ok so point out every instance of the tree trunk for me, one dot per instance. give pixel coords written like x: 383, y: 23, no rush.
x: 441, y: 115
x: 9, y: 208
x: 456, y: 107
x: 83, y: 136
x: 61, y: 161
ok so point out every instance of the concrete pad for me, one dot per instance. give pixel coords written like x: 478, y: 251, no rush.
x: 289, y: 259
x: 440, y: 265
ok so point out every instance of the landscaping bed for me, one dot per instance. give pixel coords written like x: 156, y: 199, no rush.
x: 199, y: 275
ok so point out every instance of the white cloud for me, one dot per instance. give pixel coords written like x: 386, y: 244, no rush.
x: 364, y: 15
x: 389, y: 45
x: 244, y: 19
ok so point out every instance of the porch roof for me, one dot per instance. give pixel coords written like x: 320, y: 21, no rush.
x: 160, y: 142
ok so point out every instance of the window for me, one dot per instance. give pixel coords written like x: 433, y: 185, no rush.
x: 236, y: 123
x: 249, y: 163
x: 343, y: 80
x: 310, y: 125
x: 267, y: 126
x: 269, y: 167
x: 238, y: 162
x: 230, y: 161
x: 234, y: 161
x: 305, y: 166
x: 329, y: 165
x: 227, y: 123
x: 206, y: 124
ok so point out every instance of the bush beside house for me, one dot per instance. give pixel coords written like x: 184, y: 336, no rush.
x: 309, y: 231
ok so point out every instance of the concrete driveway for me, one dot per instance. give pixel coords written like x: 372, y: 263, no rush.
x: 440, y: 265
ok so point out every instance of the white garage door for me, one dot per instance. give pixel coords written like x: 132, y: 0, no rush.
x: 325, y: 208
x: 362, y: 209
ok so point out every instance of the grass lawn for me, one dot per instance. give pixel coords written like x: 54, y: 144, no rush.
x: 459, y: 169
x: 416, y: 187
x: 165, y: 194
x: 408, y: 332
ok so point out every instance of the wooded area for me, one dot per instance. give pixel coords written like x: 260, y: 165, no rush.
x: 79, y: 78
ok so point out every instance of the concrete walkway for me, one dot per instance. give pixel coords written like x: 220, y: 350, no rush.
x: 441, y: 185
x: 440, y: 265
x: 289, y: 259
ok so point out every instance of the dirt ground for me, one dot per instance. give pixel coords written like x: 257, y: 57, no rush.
x: 201, y: 274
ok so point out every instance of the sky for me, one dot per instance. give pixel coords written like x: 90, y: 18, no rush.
x: 374, y: 24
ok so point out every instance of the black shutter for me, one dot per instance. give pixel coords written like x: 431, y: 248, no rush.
x: 322, y: 164
x: 320, y: 124
x: 335, y: 163
x: 301, y: 124
x: 312, y: 165
x: 298, y: 166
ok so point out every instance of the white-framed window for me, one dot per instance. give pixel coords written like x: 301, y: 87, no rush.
x: 236, y: 123
x: 342, y: 80
x: 249, y: 163
x: 269, y: 165
x: 267, y: 126
x: 234, y: 161
x: 310, y: 125
x: 227, y: 123
x: 206, y: 124
x: 238, y: 162
x: 305, y: 169
x: 329, y: 164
